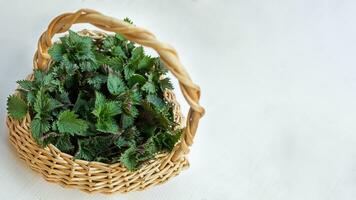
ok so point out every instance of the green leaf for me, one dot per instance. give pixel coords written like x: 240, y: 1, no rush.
x: 149, y: 87
x: 145, y: 63
x: 120, y: 37
x: 64, y: 97
x: 115, y: 85
x: 128, y: 158
x: 136, y: 79
x: 112, y: 108
x: 84, y: 151
x: 38, y: 76
x: 31, y: 97
x: 25, y: 84
x: 156, y: 101
x: 56, y: 52
x: 81, y: 104
x: 127, y: 121
x: 104, y: 111
x: 68, y: 122
x: 160, y: 66
x: 97, y: 81
x: 109, y: 42
x: 88, y: 66
x: 168, y: 139
x: 135, y: 96
x: 64, y: 143
x: 116, y: 63
x: 137, y: 55
x: 38, y: 128
x: 121, y: 142
x: 166, y: 84
x: 44, y: 104
x: 94, y: 147
x: 128, y: 20
x: 107, y: 126
x: 128, y: 72
x: 53, y: 104
x: 16, y: 107
x: 117, y: 51
x: 99, y: 99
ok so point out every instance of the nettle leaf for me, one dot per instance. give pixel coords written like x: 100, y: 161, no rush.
x: 115, y: 84
x: 128, y: 20
x: 128, y: 72
x: 81, y: 105
x: 38, y: 128
x: 69, y: 66
x: 115, y: 63
x: 25, y: 84
x: 95, y: 148
x: 129, y: 158
x: 149, y: 87
x: 112, y: 108
x: 104, y: 108
x: 160, y: 67
x: 120, y: 37
x: 156, y: 101
x: 99, y: 99
x: 166, y: 84
x: 167, y: 140
x: 56, y: 52
x: 88, y: 66
x: 31, y: 97
x: 84, y: 151
x: 135, y: 96
x: 109, y: 42
x: 38, y: 76
x: 68, y: 122
x: 122, y: 142
x: 54, y: 104
x: 104, y: 111
x: 136, y: 79
x: 64, y: 143
x: 44, y: 104
x: 137, y: 55
x: 16, y: 107
x: 117, y: 51
x: 107, y: 126
x: 145, y: 63
x: 127, y: 121
x: 64, y: 97
x: 97, y: 81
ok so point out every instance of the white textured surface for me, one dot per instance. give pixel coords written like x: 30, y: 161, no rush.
x: 278, y: 80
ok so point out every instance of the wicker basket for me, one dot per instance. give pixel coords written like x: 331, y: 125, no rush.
x: 62, y: 168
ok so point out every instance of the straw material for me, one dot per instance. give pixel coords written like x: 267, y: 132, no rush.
x: 56, y: 166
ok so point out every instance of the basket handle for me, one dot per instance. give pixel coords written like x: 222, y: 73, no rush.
x: 168, y: 55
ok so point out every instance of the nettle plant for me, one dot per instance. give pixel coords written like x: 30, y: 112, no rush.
x: 99, y: 100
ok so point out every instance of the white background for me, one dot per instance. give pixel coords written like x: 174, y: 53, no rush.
x: 278, y: 81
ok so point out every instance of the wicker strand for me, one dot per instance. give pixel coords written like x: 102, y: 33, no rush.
x: 169, y: 56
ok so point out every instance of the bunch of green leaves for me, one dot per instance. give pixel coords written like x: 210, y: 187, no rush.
x: 99, y: 100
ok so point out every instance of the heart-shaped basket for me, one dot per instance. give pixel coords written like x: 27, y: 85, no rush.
x: 56, y: 166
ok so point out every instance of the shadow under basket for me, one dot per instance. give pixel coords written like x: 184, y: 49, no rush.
x: 56, y: 166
